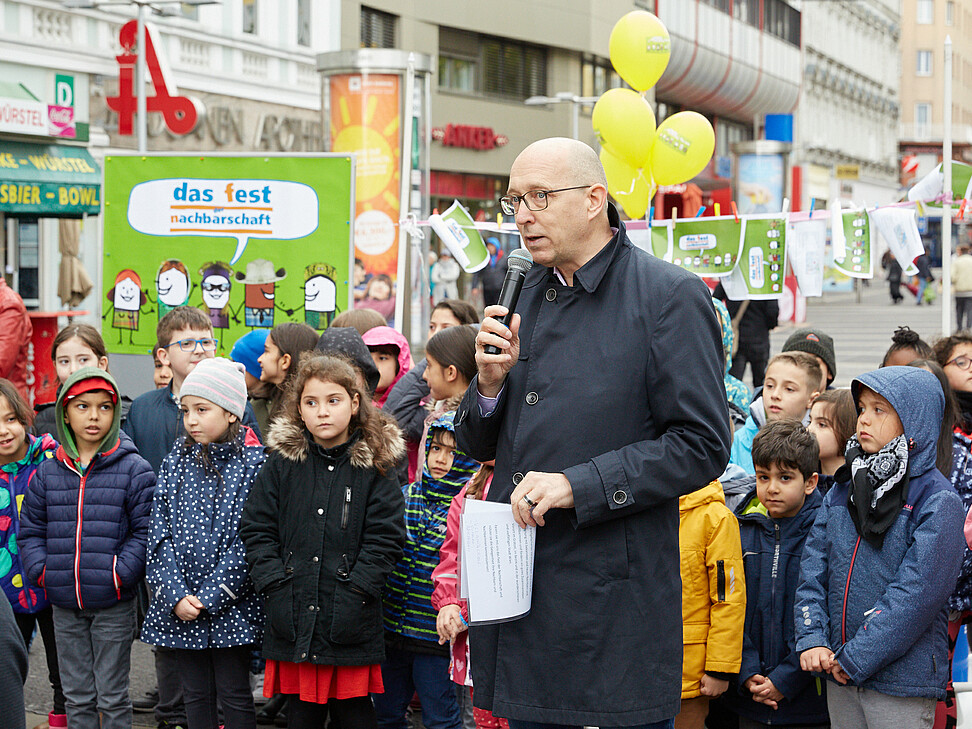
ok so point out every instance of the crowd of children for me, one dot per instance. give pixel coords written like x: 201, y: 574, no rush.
x: 299, y: 503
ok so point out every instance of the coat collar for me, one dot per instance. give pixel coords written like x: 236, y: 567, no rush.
x: 589, y: 275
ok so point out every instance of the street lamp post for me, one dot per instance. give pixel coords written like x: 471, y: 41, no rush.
x: 141, y: 101
x: 565, y: 97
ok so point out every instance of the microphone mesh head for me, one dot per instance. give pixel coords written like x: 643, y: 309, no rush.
x: 520, y: 260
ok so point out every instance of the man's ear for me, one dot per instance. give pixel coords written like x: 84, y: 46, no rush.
x: 810, y: 484
x: 596, y: 200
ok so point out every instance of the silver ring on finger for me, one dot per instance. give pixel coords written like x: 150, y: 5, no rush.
x: 529, y: 501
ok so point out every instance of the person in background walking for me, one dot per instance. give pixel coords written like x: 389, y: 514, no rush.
x: 890, y: 264
x: 962, y: 287
x: 490, y: 279
x: 923, y: 262
x: 444, y: 275
x: 754, y: 325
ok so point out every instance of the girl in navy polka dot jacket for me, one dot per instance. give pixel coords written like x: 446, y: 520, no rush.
x: 203, y: 604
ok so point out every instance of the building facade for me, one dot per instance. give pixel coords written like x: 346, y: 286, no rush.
x: 845, y: 143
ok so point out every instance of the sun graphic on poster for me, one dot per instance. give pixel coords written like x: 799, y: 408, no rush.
x: 365, y: 120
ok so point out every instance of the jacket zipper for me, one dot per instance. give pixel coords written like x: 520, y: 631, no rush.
x: 776, y: 567
x: 77, y: 539
x: 843, y: 612
x: 347, y: 507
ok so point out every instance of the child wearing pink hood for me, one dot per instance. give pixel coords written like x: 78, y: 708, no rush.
x: 389, y: 349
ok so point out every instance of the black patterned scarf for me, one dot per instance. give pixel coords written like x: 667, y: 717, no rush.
x: 878, y: 486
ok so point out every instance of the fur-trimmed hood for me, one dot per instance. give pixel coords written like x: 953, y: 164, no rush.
x: 290, y: 438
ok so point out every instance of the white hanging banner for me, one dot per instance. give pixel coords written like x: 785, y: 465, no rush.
x: 806, y: 241
x: 899, y: 227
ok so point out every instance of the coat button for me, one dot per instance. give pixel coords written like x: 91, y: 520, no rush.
x: 551, y: 294
x: 315, y: 560
x: 517, y: 477
x: 320, y: 511
x: 330, y: 468
x: 303, y: 655
x: 311, y: 608
x: 532, y: 398
x: 620, y: 497
x: 314, y: 658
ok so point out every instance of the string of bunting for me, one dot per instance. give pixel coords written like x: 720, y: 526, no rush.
x: 749, y: 252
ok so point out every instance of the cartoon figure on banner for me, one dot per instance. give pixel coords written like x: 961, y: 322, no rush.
x: 259, y: 299
x: 173, y: 285
x: 127, y: 300
x: 380, y: 296
x: 320, y: 295
x: 216, y: 285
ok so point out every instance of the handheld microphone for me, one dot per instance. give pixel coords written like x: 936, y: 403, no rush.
x: 519, y: 262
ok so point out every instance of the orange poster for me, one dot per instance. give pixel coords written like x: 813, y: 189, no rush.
x: 365, y: 119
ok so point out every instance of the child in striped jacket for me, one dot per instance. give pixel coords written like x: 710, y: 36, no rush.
x: 415, y: 661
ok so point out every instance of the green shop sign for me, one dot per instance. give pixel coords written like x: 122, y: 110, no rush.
x: 48, y: 180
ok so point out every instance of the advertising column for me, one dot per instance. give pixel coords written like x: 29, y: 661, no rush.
x: 365, y: 96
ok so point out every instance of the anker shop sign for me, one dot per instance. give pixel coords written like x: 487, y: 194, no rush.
x: 468, y: 137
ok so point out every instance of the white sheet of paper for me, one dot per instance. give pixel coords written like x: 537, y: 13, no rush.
x: 496, y: 569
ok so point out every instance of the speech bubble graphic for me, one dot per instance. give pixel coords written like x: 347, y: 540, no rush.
x: 224, y: 208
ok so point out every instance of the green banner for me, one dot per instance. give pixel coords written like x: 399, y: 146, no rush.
x: 253, y: 241
x: 707, y: 246
x: 762, y: 263
x: 856, y: 261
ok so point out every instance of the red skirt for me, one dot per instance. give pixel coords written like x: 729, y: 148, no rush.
x: 318, y: 684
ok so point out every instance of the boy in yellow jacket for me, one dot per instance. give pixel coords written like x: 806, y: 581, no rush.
x: 713, y: 600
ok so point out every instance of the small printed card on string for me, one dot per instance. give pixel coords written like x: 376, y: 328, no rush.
x: 855, y: 260
x: 458, y: 231
x: 707, y: 246
x: 759, y: 274
x: 806, y: 242
x: 930, y: 187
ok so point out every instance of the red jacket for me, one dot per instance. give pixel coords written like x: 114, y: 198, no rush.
x: 15, y: 331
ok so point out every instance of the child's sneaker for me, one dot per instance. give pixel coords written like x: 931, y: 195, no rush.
x: 57, y: 721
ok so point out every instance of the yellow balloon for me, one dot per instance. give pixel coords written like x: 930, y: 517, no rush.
x: 627, y: 185
x: 640, y: 48
x: 683, y: 146
x: 625, y: 125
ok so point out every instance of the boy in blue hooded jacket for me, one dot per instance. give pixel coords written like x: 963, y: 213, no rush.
x: 882, y: 559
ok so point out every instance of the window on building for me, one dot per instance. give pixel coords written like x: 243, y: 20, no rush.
x: 923, y: 112
x: 781, y: 20
x: 746, y: 11
x: 949, y: 13
x: 250, y: 16
x: 460, y: 60
x: 458, y: 74
x: 513, y: 69
x: 304, y: 22
x: 722, y: 5
x: 597, y: 76
x: 924, y: 64
x: 377, y: 28
x: 926, y: 12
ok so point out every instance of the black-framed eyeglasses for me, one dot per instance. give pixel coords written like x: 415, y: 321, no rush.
x: 534, y: 200
x: 962, y: 362
x: 189, y: 345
